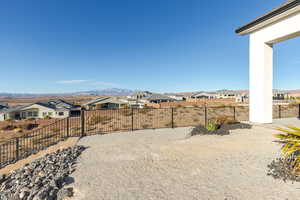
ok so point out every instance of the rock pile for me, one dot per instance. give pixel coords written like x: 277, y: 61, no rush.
x: 282, y: 169
x: 45, y: 178
x: 223, y: 129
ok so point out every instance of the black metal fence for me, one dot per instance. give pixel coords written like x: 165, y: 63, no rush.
x: 107, y: 121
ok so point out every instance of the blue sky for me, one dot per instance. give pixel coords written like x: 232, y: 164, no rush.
x: 157, y: 45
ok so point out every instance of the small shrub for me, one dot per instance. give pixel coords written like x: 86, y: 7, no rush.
x: 211, y: 126
x: 55, y: 130
x: 9, y: 127
x: 195, y: 120
x: 225, y: 120
x: 144, y: 110
x: 29, y: 126
x: 291, y: 147
x: 145, y: 126
x: 10, y: 120
x: 18, y: 130
x: 98, y: 119
x: 30, y: 119
x: 126, y: 112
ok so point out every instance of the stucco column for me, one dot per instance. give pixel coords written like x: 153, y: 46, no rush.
x: 261, y: 80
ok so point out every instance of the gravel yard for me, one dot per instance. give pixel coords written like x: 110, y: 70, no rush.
x: 168, y: 164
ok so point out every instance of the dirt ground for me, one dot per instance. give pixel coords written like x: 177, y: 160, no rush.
x: 22, y: 101
x: 61, y: 145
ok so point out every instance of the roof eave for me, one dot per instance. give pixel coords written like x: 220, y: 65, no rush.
x: 276, y: 15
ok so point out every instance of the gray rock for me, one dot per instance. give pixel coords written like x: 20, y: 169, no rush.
x: 2, y: 178
x: 43, y: 179
x: 65, y: 192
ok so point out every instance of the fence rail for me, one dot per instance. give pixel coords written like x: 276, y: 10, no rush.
x: 107, y: 121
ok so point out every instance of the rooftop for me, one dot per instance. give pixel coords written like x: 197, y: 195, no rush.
x: 272, y: 14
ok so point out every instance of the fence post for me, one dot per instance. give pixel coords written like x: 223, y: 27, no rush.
x: 132, y: 129
x: 279, y: 111
x: 68, y: 127
x: 205, y: 115
x: 234, y: 113
x: 17, y: 148
x: 172, y: 116
x: 82, y: 123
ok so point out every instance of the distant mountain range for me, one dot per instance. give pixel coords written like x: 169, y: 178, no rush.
x: 103, y: 92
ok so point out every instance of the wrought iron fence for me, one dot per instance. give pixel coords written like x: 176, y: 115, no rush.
x: 108, y: 121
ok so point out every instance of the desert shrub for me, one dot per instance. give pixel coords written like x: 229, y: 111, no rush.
x: 18, y: 130
x: 10, y: 120
x: 211, y: 125
x: 29, y: 126
x: 179, y: 106
x: 168, y: 124
x: 126, y: 112
x: 144, y: 110
x: 55, y: 130
x: 30, y: 119
x: 291, y: 147
x: 96, y: 119
x: 9, y: 127
x: 212, y: 128
x: 195, y: 120
x: 225, y: 120
x: 294, y: 103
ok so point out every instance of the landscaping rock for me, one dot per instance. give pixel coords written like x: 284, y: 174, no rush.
x: 43, y: 179
x: 281, y: 169
x: 223, y: 129
x: 65, y: 192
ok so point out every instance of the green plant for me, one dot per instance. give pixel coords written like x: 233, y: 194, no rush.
x: 211, y: 125
x: 291, y: 147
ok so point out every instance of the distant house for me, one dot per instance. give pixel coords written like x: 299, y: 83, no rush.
x: 177, y: 97
x: 140, y: 95
x: 113, y: 103
x: 237, y: 95
x: 280, y: 95
x: 223, y: 94
x: 3, y: 105
x: 136, y: 103
x: 159, y: 98
x: 53, y: 108
x: 204, y: 95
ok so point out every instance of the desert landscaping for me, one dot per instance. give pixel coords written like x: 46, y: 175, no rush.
x: 167, y: 164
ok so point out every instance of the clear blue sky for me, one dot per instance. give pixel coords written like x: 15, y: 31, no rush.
x: 157, y: 45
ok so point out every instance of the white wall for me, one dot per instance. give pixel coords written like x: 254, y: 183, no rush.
x: 2, y: 117
x: 261, y: 65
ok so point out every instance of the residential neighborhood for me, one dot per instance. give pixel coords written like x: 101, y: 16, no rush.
x: 58, y: 108
x: 40, y: 110
x: 158, y: 100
